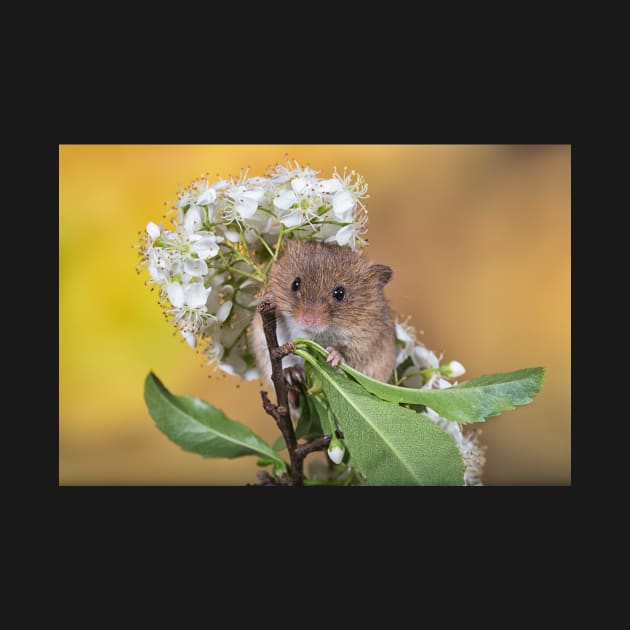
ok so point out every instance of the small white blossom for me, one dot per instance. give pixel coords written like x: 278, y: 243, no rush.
x: 205, y: 246
x: 285, y: 200
x: 195, y: 267
x: 454, y: 369
x: 158, y: 265
x: 336, y: 451
x: 194, y: 295
x: 244, y: 202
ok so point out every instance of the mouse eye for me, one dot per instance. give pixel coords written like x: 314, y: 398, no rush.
x: 339, y: 293
x: 295, y: 285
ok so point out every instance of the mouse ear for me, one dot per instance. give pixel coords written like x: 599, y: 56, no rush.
x: 381, y: 273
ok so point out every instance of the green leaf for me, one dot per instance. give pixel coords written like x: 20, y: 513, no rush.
x: 389, y: 444
x: 309, y: 425
x: 279, y: 444
x: 265, y: 462
x: 200, y: 428
x: 470, y: 401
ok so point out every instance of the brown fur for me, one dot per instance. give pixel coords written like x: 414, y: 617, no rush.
x: 360, y: 327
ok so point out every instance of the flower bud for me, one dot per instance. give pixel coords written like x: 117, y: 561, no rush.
x: 454, y: 369
x: 336, y: 451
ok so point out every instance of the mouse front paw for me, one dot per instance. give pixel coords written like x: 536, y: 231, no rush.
x: 294, y: 375
x: 334, y: 357
x: 267, y: 302
x: 269, y: 298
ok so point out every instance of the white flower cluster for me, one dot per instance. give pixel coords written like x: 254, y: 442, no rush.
x: 210, y: 265
x: 418, y: 367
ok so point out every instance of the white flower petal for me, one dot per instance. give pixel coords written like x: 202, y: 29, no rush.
x: 234, y: 364
x: 183, y: 201
x: 157, y: 274
x: 345, y: 234
x: 205, y: 247
x: 329, y: 186
x: 254, y: 301
x: 402, y: 334
x: 299, y: 184
x: 255, y: 194
x: 233, y: 236
x: 342, y: 204
x: 224, y: 311
x: 285, y: 200
x: 336, y: 453
x: 431, y: 382
x: 193, y: 220
x: 191, y: 340
x: 423, y: 357
x: 215, y: 349
x: 153, y: 230
x: 252, y: 374
x: 196, y: 295
x: 207, y: 196
x: 456, y: 369
x: 227, y: 290
x: 195, y: 267
x: 226, y: 367
x: 175, y: 293
x: 245, y: 207
x: 221, y: 184
x: 292, y: 219
x: 258, y: 181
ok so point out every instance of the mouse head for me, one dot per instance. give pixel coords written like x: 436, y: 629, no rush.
x: 320, y: 286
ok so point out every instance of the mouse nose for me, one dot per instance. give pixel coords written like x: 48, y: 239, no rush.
x: 309, y: 318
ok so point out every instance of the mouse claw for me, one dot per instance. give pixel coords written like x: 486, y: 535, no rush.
x: 334, y: 357
x: 294, y: 375
x: 294, y: 398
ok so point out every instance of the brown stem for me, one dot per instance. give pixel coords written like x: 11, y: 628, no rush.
x: 280, y: 412
x: 319, y: 444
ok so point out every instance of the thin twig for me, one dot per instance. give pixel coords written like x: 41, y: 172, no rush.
x: 280, y: 412
x: 318, y: 444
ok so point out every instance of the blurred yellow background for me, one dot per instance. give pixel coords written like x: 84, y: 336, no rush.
x: 479, y: 240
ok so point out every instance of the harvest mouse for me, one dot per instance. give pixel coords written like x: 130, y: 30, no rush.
x: 333, y: 296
